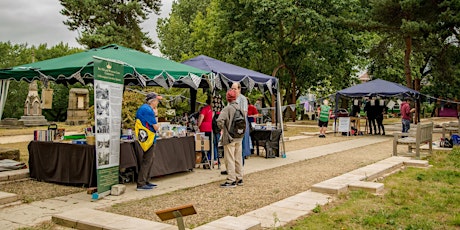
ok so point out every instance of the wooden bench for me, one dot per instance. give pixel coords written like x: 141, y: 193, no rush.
x: 451, y: 127
x: 422, y: 134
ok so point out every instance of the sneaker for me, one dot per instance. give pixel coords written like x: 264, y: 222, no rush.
x: 143, y: 187
x: 151, y: 185
x: 228, y: 185
x: 240, y: 182
x: 223, y: 173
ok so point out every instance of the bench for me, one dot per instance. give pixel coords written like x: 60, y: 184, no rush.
x: 422, y: 134
x: 451, y: 127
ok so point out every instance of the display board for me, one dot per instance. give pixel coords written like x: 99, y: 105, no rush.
x: 344, y: 124
x: 108, y: 96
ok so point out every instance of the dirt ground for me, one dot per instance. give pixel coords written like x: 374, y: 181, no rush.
x: 261, y: 188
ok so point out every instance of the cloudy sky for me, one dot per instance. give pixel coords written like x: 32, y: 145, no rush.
x: 38, y: 21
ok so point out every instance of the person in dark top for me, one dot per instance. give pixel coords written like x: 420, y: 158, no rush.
x: 371, y: 112
x: 381, y: 109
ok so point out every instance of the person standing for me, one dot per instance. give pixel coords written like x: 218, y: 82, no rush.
x: 243, y: 102
x: 146, y: 116
x: 253, y: 113
x: 205, y: 125
x: 324, y: 113
x: 381, y: 109
x: 371, y: 112
x: 405, y: 115
x: 232, y: 146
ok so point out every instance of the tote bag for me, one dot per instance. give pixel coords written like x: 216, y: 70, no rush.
x: 144, y: 136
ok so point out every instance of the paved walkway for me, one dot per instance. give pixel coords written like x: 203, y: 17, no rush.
x: 31, y: 214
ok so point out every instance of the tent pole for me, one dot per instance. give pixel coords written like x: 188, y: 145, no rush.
x: 4, y: 85
x: 193, y: 93
x: 281, y: 151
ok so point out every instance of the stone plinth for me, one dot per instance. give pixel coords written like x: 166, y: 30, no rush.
x: 34, y: 120
x: 12, y: 122
x: 9, y: 153
x: 77, y: 112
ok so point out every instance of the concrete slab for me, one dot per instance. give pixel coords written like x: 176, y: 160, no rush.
x: 232, y: 223
x: 86, y: 218
x: 272, y: 216
x: 14, y: 175
x: 371, y: 187
x: 6, y: 197
x: 310, y: 197
x: 330, y: 188
x: 417, y: 163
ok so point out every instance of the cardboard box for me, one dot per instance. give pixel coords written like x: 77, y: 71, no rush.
x: 197, y: 157
x: 202, y: 142
x: 202, y: 145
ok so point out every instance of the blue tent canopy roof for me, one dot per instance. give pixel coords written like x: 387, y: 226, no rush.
x: 378, y: 87
x: 232, y: 73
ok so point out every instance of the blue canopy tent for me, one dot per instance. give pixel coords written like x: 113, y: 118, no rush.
x: 377, y: 87
x: 224, y: 74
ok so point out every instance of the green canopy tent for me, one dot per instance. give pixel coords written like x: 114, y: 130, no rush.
x: 140, y: 69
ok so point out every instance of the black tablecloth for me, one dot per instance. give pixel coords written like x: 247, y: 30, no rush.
x: 63, y: 163
x: 76, y: 164
x: 171, y: 155
x: 269, y: 139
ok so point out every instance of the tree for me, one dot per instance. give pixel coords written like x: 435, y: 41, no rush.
x: 299, y: 42
x: 104, y: 22
x: 18, y: 54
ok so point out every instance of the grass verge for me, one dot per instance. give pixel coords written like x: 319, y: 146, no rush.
x: 414, y: 199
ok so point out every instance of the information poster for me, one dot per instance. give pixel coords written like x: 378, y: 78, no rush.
x: 108, y: 95
x: 344, y: 124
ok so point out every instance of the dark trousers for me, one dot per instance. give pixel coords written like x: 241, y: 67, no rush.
x: 380, y: 123
x: 144, y: 171
x: 372, y: 123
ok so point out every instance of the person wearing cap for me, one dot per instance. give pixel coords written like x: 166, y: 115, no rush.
x: 405, y: 115
x: 232, y: 146
x: 147, y: 115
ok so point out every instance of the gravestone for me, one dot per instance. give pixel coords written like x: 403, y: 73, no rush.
x: 32, y: 108
x: 77, y: 112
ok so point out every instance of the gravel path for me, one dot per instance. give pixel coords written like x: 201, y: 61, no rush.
x: 261, y: 188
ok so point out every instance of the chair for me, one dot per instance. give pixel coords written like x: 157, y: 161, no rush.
x: 422, y: 134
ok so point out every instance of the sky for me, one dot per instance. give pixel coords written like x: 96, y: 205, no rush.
x: 38, y: 21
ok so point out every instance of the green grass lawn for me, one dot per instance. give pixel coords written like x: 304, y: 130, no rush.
x: 414, y: 198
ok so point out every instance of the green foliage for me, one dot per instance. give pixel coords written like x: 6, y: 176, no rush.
x: 17, y: 54
x: 106, y: 22
x: 302, y: 43
x: 414, y: 199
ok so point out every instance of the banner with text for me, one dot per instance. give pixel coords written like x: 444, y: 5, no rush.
x: 108, y: 95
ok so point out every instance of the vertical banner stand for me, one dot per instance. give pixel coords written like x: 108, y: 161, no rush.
x: 278, y: 99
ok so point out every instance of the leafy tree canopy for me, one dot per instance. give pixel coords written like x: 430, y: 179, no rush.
x: 104, y: 22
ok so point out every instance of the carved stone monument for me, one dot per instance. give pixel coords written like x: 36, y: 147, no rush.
x: 32, y: 108
x: 77, y: 112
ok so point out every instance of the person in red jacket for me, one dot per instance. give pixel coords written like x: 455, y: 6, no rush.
x: 405, y: 115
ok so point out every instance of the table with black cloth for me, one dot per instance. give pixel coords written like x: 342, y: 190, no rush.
x: 171, y: 155
x: 76, y: 164
x: 63, y: 163
x: 269, y: 139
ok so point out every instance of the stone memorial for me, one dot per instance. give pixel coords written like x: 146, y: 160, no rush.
x: 32, y: 108
x: 77, y: 112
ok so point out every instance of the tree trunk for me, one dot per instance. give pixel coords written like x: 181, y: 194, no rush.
x: 293, y: 95
x: 407, y: 53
